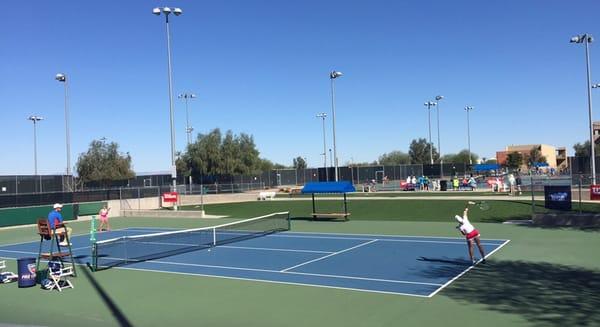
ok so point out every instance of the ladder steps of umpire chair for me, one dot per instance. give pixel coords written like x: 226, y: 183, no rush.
x: 48, y: 255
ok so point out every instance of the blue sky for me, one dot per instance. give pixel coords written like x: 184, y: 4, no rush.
x: 261, y: 67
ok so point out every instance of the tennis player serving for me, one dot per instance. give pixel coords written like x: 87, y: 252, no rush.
x: 470, y: 233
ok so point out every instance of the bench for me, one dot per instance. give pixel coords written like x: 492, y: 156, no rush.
x: 333, y: 215
x: 266, y: 195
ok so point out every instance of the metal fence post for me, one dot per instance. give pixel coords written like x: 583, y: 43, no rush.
x: 532, y: 196
x: 139, y: 199
x: 580, y: 177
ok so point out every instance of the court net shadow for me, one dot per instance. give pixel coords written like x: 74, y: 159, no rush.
x: 543, y: 293
x: 110, y: 304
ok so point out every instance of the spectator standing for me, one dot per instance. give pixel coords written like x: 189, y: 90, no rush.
x: 518, y: 181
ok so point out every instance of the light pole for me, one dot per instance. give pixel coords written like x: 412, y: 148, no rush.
x: 330, y: 158
x: 430, y: 104
x: 61, y: 77
x: 587, y: 39
x: 167, y: 11
x: 188, y: 129
x: 322, y: 116
x: 438, y: 98
x: 468, y: 109
x: 305, y: 166
x: 35, y: 119
x: 332, y: 76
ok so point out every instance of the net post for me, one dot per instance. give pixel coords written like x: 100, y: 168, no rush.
x: 214, y: 237
x: 94, y: 257
x: 289, y: 221
x: 93, y: 230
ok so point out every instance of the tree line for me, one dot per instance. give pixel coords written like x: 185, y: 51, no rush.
x: 216, y: 153
x: 419, y: 152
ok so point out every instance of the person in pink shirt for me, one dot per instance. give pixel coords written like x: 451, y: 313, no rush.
x: 104, y: 225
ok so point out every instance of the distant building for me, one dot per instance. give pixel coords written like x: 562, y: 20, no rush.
x: 556, y: 157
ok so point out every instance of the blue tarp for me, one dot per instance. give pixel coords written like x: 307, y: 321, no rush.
x: 328, y: 187
x: 483, y: 167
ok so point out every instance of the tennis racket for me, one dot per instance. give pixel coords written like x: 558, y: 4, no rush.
x: 482, y: 205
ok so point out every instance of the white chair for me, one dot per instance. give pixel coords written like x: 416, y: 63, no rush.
x: 58, y: 277
x: 266, y: 195
x: 6, y: 277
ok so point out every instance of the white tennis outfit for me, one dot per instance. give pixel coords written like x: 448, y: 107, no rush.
x: 465, y: 225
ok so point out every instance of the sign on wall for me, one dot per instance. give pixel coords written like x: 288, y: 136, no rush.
x: 594, y: 192
x: 557, y: 197
x: 170, y: 197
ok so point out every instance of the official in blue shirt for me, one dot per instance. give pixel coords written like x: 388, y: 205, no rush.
x: 55, y: 218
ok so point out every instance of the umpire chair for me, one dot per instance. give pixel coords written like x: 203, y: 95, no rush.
x: 50, y: 234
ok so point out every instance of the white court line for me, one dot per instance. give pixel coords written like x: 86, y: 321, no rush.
x: 200, y: 247
x: 35, y: 241
x: 294, y: 273
x: 457, y: 240
x: 327, y: 256
x: 209, y: 266
x: 380, y: 236
x: 342, y: 235
x: 29, y: 252
x: 271, y: 249
x: 464, y: 272
x: 272, y: 281
x: 460, y: 241
x: 363, y: 278
x: 14, y: 251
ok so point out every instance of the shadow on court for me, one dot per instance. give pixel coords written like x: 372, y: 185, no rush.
x: 545, y: 294
x: 114, y: 309
x: 443, y: 267
x: 579, y: 228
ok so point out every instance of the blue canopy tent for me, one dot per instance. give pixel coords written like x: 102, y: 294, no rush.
x: 484, y: 167
x: 329, y: 187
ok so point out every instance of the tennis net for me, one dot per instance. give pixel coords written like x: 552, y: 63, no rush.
x: 137, y: 248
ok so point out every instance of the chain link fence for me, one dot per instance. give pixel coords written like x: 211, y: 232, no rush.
x: 121, y: 193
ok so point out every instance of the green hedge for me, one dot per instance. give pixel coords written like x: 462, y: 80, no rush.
x: 90, y: 208
x: 30, y: 215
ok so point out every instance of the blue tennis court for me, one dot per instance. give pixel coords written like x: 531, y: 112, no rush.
x: 406, y: 265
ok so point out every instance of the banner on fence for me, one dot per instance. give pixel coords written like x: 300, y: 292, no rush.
x: 594, y: 192
x: 558, y: 197
x: 170, y: 197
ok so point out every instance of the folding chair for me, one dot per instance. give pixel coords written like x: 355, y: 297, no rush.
x: 6, y: 277
x: 58, y: 276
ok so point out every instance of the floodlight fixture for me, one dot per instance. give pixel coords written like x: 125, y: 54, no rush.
x: 335, y: 74
x: 332, y: 76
